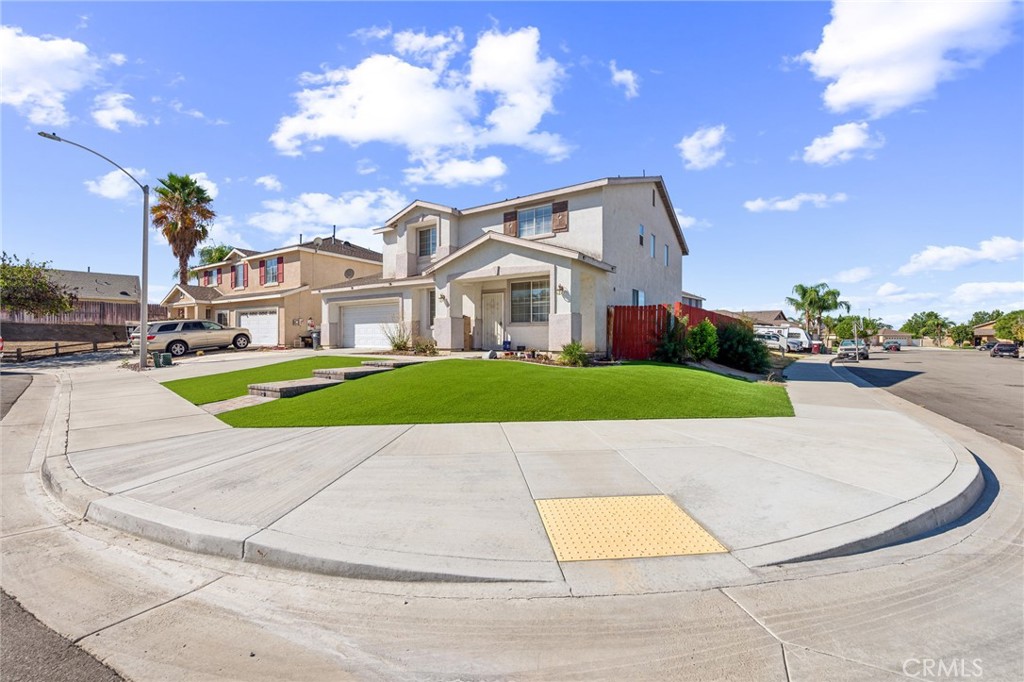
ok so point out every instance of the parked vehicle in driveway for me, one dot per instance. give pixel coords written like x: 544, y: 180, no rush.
x: 773, y: 341
x: 987, y: 346
x: 1005, y: 350
x: 178, y: 337
x: 849, y: 349
x: 892, y: 345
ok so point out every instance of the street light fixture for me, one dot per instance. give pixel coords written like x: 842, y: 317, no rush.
x: 143, y: 294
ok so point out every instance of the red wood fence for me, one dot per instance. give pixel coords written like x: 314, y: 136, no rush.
x: 635, y: 331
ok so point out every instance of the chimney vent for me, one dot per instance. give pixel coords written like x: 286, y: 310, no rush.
x: 334, y: 235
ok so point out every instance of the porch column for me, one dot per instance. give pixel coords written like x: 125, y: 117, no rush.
x: 448, y: 324
x: 565, y: 323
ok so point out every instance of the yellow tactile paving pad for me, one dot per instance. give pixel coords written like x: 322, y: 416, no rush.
x: 626, y: 527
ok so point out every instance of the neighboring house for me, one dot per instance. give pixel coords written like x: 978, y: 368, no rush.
x: 884, y: 335
x: 692, y: 300
x: 536, y: 272
x: 103, y: 298
x: 985, y: 332
x: 270, y: 292
x: 771, y: 318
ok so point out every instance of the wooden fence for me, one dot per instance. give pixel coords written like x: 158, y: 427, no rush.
x: 89, y: 312
x: 635, y: 331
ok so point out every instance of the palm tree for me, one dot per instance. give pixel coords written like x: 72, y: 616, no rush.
x: 183, y: 214
x: 828, y: 301
x: 207, y: 256
x: 814, y: 301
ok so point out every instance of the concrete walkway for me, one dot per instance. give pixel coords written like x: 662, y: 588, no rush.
x: 457, y: 502
x: 156, y: 612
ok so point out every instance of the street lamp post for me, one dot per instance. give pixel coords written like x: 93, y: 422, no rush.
x: 143, y: 294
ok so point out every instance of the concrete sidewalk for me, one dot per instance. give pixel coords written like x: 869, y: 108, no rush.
x: 457, y: 502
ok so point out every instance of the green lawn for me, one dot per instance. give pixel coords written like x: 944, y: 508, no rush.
x: 216, y: 387
x: 491, y: 391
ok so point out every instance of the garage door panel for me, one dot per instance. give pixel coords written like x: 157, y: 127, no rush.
x: 262, y: 325
x: 364, y: 326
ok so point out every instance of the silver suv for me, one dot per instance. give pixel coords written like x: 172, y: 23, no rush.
x: 178, y: 337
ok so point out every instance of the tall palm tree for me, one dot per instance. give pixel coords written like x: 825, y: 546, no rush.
x: 828, y: 301
x: 183, y: 214
x: 806, y: 302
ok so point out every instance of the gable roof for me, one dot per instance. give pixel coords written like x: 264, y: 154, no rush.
x: 758, y: 316
x: 330, y: 245
x: 98, y: 286
x: 524, y: 243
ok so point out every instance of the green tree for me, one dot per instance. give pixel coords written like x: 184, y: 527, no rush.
x: 865, y: 326
x: 1011, y: 326
x: 920, y: 322
x: 983, y: 316
x: 183, y: 214
x: 702, y: 341
x: 961, y: 333
x: 27, y: 287
x: 813, y: 302
x: 937, y: 328
x: 207, y: 256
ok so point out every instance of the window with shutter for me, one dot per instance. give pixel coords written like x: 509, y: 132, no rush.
x: 245, y: 274
x: 219, y: 277
x: 263, y: 272
x: 206, y: 278
x: 560, y: 216
x: 511, y: 224
x: 280, y: 269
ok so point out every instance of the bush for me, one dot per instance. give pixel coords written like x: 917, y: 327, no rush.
x: 737, y: 348
x: 672, y: 345
x: 702, y: 341
x: 398, y: 335
x: 422, y: 346
x: 574, y: 355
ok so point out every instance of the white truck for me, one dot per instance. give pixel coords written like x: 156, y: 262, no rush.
x: 796, y: 338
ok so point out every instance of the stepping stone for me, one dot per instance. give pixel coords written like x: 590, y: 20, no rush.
x: 348, y: 373
x: 234, y: 403
x: 392, y: 364
x: 289, y: 389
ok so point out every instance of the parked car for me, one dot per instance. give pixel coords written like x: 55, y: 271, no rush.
x: 987, y: 346
x: 891, y: 345
x: 1005, y: 350
x: 178, y: 337
x: 848, y: 349
x: 773, y: 341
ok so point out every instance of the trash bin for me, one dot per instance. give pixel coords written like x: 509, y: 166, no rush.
x: 165, y: 359
x: 815, y: 347
x: 157, y: 360
x: 506, y: 345
x: 315, y: 337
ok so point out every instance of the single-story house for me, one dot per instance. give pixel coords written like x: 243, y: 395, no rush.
x: 102, y: 298
x: 771, y: 318
x: 692, y: 300
x: 536, y: 271
x: 271, y: 292
x: 887, y: 334
x: 985, y: 333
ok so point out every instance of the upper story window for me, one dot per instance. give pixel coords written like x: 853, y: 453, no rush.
x: 239, y: 275
x: 641, y: 235
x: 666, y: 255
x: 427, y: 239
x: 531, y: 301
x: 534, y: 221
x: 654, y: 246
x: 271, y: 276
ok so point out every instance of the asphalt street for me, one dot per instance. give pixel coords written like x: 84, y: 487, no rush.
x: 967, y: 386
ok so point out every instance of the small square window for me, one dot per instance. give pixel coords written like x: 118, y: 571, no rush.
x: 638, y: 297
x: 427, y: 239
x: 534, y: 221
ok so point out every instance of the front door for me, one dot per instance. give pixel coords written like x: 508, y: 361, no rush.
x: 492, y: 332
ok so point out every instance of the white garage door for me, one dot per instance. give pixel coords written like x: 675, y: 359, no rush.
x: 262, y: 324
x: 363, y: 325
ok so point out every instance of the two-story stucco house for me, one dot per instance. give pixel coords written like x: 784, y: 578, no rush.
x: 271, y: 292
x: 536, y: 271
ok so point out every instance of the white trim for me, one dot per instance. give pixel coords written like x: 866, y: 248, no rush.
x: 525, y: 243
x: 407, y: 282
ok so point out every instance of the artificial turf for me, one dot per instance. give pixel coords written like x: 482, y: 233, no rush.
x: 500, y: 391
x: 217, y: 387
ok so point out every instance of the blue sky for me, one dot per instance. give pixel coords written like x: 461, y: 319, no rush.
x: 874, y: 146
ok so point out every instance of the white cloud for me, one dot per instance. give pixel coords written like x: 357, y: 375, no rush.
x: 498, y: 97
x: 793, y: 203
x: 841, y: 144
x: 627, y: 79
x: 371, y: 33
x: 180, y: 108
x: 889, y: 289
x: 703, y: 149
x: 41, y: 73
x: 117, y: 59
x: 455, y: 172
x: 116, y: 185
x: 1011, y: 293
x: 157, y: 292
x: 853, y: 275
x: 224, y: 231
x: 203, y: 180
x: 690, y: 223
x: 365, y: 167
x: 996, y: 250
x: 883, y: 56
x: 110, y: 110
x: 269, y: 182
x: 355, y: 214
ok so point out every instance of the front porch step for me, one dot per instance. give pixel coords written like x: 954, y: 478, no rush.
x: 290, y: 389
x: 391, y: 364
x: 348, y: 373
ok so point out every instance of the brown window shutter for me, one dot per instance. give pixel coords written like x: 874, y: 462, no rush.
x: 206, y: 278
x: 511, y: 221
x: 220, y: 279
x: 560, y: 216
x: 263, y: 272
x: 245, y: 274
x: 280, y: 269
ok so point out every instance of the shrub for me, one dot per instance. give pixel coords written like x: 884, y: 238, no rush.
x: 702, y: 341
x: 398, y: 335
x: 672, y: 345
x: 574, y: 355
x: 423, y: 346
x: 737, y: 348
